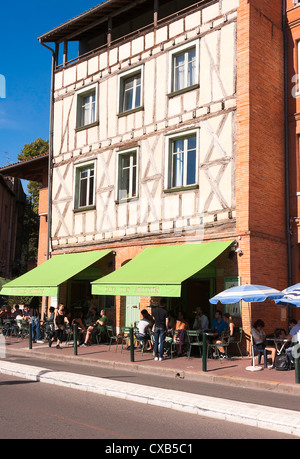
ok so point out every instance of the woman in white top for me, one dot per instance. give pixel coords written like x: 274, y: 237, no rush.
x: 259, y: 338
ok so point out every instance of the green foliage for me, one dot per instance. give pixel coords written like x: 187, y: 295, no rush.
x: 30, y: 150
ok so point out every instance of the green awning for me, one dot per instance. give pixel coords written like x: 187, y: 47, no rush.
x: 45, y: 278
x: 159, y: 271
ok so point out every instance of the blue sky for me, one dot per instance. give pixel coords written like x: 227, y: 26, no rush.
x: 26, y: 67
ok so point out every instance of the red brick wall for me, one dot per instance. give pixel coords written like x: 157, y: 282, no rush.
x: 260, y: 185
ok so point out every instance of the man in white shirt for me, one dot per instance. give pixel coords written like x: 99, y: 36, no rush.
x: 201, y: 321
x: 294, y: 336
x: 144, y: 327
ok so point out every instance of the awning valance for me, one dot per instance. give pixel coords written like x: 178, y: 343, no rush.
x: 160, y: 270
x: 45, y: 278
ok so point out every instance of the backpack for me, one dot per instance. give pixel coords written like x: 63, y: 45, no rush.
x: 281, y: 362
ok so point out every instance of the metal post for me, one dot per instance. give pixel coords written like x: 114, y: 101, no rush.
x: 297, y: 370
x: 204, y: 353
x: 75, y: 329
x: 30, y: 335
x: 131, y: 345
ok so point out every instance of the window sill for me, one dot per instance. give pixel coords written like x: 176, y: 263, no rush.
x: 182, y: 188
x: 183, y: 90
x: 87, y: 126
x: 84, y: 209
x: 129, y: 112
x: 121, y: 201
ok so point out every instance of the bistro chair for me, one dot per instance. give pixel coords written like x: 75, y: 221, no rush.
x: 8, y: 327
x: 23, y: 328
x: 193, y: 340
x: 69, y: 333
x: 223, y: 342
x: 238, y: 338
x: 112, y: 336
x: 142, y: 343
x: 125, y: 337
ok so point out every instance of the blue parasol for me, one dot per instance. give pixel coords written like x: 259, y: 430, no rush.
x: 248, y: 292
x: 291, y: 296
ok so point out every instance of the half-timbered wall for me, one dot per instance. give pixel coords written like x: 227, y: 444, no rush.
x: 209, y: 109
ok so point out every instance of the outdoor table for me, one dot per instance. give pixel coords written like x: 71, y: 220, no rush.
x: 279, y: 344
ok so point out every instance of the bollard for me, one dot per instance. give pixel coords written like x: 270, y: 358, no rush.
x: 30, y: 335
x: 297, y: 370
x: 131, y: 345
x: 75, y: 330
x: 204, y: 353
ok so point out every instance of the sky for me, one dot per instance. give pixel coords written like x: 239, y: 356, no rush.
x: 25, y: 69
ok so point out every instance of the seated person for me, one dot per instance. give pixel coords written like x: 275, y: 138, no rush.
x: 201, y: 321
x: 81, y: 327
x: 144, y: 327
x: 230, y: 327
x: 294, y: 338
x: 219, y: 323
x: 182, y: 324
x: 98, y: 327
x: 259, y: 338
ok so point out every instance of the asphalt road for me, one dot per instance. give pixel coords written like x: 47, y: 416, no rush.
x: 32, y: 410
x: 260, y: 397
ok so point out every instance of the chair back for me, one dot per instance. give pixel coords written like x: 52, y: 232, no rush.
x: 191, y: 334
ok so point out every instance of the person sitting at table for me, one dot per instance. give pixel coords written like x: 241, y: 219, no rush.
x: 293, y: 338
x: 219, y: 323
x: 230, y: 327
x: 201, y: 321
x: 98, y: 327
x: 144, y: 328
x: 81, y: 327
x: 182, y: 324
x: 259, y: 338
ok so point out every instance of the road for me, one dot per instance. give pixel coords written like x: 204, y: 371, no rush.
x: 260, y: 397
x: 30, y: 410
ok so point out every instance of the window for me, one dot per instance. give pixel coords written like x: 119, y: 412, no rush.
x: 86, y: 107
x: 85, y: 185
x: 182, y: 159
x: 127, y: 175
x: 130, y: 90
x: 184, y: 63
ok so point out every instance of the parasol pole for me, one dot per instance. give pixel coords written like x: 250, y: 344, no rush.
x: 253, y: 367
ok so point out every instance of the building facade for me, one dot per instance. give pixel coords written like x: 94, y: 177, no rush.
x: 169, y: 129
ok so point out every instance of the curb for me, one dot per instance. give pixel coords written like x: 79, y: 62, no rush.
x: 233, y: 381
x: 264, y: 417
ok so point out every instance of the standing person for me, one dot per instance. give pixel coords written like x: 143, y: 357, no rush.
x: 60, y: 320
x: 201, y: 321
x: 35, y: 322
x: 161, y: 317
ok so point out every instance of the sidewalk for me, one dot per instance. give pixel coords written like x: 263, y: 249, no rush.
x: 227, y: 372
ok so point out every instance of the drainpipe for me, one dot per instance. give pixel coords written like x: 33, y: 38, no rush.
x: 50, y: 159
x: 286, y: 147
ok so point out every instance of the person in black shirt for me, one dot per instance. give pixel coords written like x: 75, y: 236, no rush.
x: 161, y: 317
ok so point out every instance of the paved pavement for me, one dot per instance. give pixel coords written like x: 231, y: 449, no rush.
x: 232, y: 372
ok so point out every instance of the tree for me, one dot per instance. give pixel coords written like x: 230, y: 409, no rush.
x: 30, y: 150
